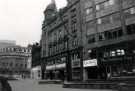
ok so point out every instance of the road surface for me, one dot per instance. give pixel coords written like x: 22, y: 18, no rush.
x: 32, y: 85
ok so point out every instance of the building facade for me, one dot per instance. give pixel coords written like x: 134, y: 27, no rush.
x: 61, y: 41
x: 89, y: 39
x: 36, y: 72
x: 36, y: 61
x: 15, y: 61
x: 109, y: 34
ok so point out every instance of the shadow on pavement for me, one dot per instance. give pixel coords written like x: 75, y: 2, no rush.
x: 4, y: 85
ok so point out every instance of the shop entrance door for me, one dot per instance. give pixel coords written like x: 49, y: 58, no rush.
x: 92, y: 73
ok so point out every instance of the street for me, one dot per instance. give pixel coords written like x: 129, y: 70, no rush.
x: 32, y: 85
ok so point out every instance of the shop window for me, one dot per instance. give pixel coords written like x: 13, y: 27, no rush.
x: 112, y: 53
x: 120, y: 52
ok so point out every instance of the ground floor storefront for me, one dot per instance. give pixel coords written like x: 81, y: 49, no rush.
x: 105, y: 62
x: 118, y: 60
x: 64, y: 66
x: 55, y: 68
x: 15, y: 73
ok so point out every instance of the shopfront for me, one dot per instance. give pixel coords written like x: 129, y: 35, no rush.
x: 76, y: 66
x: 120, y: 67
x: 90, y: 69
x: 56, y: 68
x: 119, y: 61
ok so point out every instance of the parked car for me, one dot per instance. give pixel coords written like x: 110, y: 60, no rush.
x: 4, y: 85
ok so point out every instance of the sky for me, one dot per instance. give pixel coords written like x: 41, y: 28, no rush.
x: 21, y: 20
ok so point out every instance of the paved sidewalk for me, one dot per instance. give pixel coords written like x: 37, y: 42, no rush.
x: 32, y: 85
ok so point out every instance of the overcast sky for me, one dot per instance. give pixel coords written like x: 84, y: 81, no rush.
x: 21, y: 20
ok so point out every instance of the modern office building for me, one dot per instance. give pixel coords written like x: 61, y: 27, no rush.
x: 89, y: 39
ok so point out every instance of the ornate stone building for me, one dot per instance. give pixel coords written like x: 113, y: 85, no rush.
x: 61, y: 41
x: 15, y: 61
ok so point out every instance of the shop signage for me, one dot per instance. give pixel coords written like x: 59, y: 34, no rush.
x: 58, y: 66
x: 50, y: 67
x: 89, y: 63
